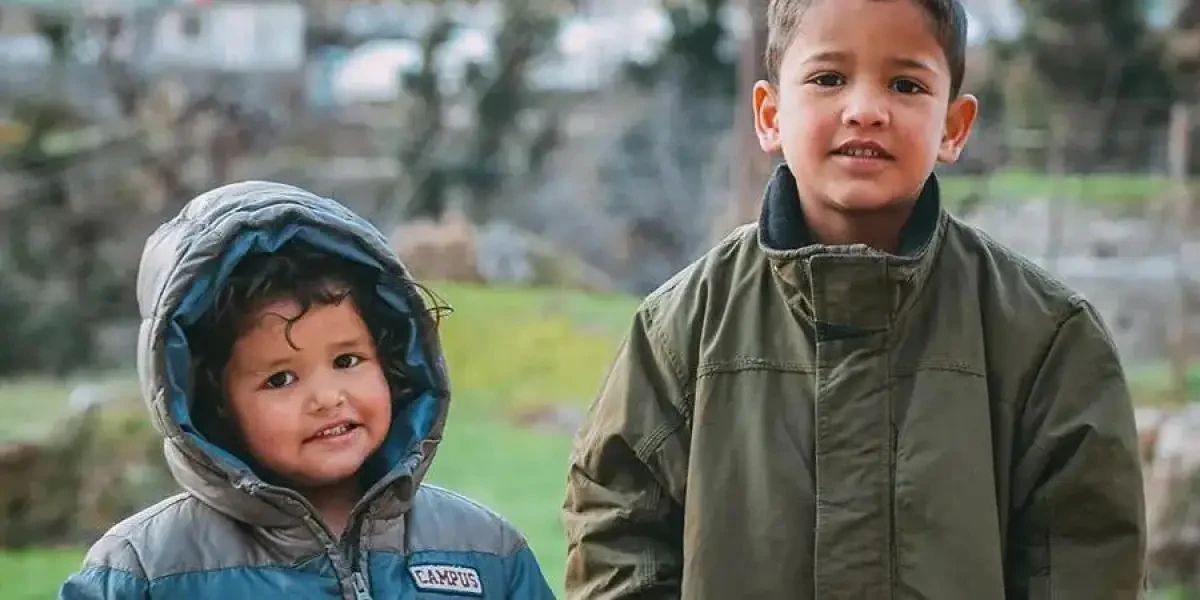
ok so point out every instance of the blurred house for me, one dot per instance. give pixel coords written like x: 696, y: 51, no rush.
x: 227, y: 36
x: 1004, y: 18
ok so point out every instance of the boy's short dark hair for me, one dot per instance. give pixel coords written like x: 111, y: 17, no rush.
x: 949, y: 25
x: 309, y: 277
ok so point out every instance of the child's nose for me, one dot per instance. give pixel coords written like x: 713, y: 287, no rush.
x: 865, y: 108
x: 328, y: 397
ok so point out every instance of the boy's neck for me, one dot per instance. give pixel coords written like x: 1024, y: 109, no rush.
x: 880, y: 229
x: 789, y: 221
x: 334, y: 503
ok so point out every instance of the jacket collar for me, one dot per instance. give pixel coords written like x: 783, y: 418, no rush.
x: 855, y: 286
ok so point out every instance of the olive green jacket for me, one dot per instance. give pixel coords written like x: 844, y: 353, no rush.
x: 792, y: 420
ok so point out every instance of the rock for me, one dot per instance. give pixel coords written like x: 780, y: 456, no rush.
x: 554, y: 419
x: 100, y: 465
x: 87, y: 395
x: 1173, y: 500
x: 1149, y: 421
x: 498, y: 253
x: 439, y: 250
x: 503, y: 255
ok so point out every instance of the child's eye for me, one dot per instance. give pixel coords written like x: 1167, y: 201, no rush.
x: 280, y: 379
x: 346, y: 361
x: 907, y: 86
x: 827, y: 79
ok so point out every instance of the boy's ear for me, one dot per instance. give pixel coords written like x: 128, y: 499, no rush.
x: 766, y: 117
x: 959, y: 120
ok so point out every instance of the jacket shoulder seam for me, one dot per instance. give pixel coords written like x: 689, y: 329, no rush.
x: 490, y: 515
x: 139, y: 521
x: 662, y: 341
x: 660, y: 434
x: 1077, y: 307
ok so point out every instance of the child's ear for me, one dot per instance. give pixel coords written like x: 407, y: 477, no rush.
x: 959, y: 120
x: 766, y: 116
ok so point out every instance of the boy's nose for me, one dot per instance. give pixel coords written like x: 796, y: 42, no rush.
x: 864, y: 109
x: 328, y: 397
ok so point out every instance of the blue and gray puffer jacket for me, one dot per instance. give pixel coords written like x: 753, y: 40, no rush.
x: 232, y: 536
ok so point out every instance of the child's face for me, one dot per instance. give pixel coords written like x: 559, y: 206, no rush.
x: 313, y: 414
x: 862, y: 109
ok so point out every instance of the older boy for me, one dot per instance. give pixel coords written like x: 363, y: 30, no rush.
x: 860, y: 397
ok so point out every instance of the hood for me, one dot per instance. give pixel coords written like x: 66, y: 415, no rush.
x: 187, y: 260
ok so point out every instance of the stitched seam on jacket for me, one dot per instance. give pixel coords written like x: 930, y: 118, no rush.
x: 659, y: 342
x: 1036, y: 443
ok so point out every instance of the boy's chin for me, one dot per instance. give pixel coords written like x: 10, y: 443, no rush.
x: 867, y: 197
x: 332, y: 474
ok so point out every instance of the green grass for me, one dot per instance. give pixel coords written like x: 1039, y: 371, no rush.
x: 1155, y: 384
x: 31, y: 408
x: 508, y: 350
x: 517, y: 349
x: 1118, y: 188
x: 35, y: 574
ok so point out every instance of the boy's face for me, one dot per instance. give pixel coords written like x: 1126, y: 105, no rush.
x: 862, y: 109
x: 313, y: 414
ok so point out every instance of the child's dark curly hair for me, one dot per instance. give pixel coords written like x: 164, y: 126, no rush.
x: 309, y: 277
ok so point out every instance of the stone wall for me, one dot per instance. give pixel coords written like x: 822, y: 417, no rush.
x: 1130, y: 268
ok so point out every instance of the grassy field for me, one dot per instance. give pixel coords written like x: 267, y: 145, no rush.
x: 510, y: 351
x: 1120, y: 193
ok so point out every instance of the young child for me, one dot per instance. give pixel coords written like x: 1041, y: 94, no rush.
x: 860, y: 397
x: 295, y: 372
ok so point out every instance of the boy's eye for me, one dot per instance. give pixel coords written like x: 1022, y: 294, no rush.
x: 346, y: 361
x: 907, y: 86
x: 280, y: 379
x: 828, y: 79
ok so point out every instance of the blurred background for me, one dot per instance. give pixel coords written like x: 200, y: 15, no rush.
x: 543, y: 164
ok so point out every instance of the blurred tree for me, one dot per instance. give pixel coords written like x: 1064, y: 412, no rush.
x: 499, y: 138
x: 45, y: 239
x: 498, y: 146
x: 668, y: 175
x: 56, y: 233
x: 1097, y: 61
x: 1183, y: 51
x: 752, y: 167
x: 426, y: 171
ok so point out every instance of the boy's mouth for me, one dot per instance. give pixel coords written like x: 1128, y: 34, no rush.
x: 862, y: 149
x: 333, y: 431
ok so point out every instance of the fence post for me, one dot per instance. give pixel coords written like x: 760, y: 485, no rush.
x: 750, y: 166
x: 1056, y: 159
x: 1178, y: 160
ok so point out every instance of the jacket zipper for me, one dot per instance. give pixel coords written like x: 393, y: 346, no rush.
x: 351, y: 551
x: 361, y: 591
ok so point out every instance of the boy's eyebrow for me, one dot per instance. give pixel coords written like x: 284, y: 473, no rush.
x: 831, y: 56
x: 274, y: 364
x: 835, y: 56
x: 913, y: 63
x: 269, y: 366
x: 346, y: 343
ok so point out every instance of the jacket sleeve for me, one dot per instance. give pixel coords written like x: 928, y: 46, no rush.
x: 1078, y: 526
x: 111, y: 571
x: 525, y: 578
x: 623, y: 511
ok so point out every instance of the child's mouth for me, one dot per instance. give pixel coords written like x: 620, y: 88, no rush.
x: 861, y: 153
x: 862, y: 149
x: 333, y: 432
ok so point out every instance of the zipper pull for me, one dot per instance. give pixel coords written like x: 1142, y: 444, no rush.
x: 361, y: 591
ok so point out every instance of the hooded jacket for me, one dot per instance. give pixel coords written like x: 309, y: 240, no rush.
x: 792, y: 420
x: 231, y: 535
